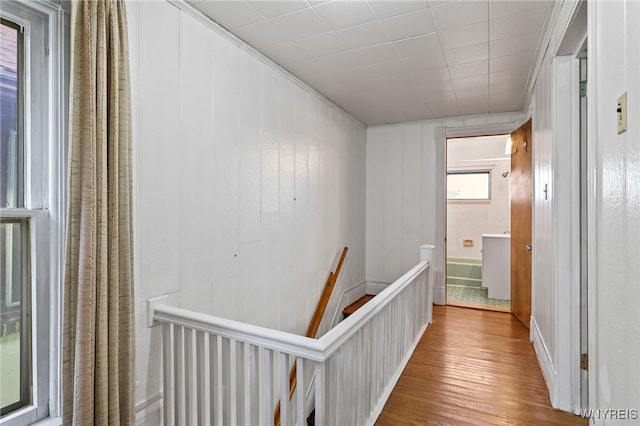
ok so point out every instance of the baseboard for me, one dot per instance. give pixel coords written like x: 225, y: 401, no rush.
x: 546, y: 363
x: 348, y: 296
x: 149, y: 411
x: 439, y: 296
x: 375, y: 287
x: 394, y: 379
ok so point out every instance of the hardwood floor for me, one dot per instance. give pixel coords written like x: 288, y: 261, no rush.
x: 473, y: 367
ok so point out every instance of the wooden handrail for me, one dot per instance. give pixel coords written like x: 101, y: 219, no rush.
x: 313, y: 327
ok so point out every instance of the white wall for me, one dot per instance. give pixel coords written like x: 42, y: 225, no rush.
x: 614, y: 257
x: 247, y: 184
x: 471, y: 219
x: 405, y: 193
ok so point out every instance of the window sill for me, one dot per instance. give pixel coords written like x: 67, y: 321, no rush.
x: 49, y: 421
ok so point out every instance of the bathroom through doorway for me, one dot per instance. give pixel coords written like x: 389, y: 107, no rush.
x: 478, y: 222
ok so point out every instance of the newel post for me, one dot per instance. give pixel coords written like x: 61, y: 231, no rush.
x: 426, y: 253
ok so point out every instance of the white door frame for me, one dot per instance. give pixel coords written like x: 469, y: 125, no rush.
x: 441, y: 134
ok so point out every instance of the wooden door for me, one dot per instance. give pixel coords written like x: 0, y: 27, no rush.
x: 521, y: 195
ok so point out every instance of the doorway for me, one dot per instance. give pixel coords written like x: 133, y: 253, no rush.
x: 478, y: 222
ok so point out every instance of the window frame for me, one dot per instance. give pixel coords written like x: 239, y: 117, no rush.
x: 488, y: 172
x: 45, y: 42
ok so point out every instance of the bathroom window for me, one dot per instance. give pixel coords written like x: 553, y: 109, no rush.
x: 469, y: 185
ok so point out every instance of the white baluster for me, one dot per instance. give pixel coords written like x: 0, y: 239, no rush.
x: 246, y: 383
x: 189, y: 376
x: 233, y: 382
x: 320, y: 395
x: 201, y: 378
x: 284, y: 388
x: 266, y: 388
x: 215, y: 379
x: 179, y: 373
x: 254, y: 379
x: 169, y: 384
x: 300, y: 391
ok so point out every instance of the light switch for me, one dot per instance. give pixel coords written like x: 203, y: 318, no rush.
x: 622, y: 113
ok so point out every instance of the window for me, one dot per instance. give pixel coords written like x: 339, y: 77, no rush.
x: 469, y: 185
x: 32, y: 113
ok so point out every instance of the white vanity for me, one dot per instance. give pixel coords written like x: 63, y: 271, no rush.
x: 496, y: 265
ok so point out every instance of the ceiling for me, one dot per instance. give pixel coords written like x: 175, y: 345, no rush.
x: 398, y: 61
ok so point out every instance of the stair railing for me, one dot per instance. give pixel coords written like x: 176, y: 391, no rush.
x: 222, y: 372
x: 314, y: 325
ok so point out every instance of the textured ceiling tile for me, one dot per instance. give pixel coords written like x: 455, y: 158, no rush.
x: 445, y: 97
x: 261, y: 34
x: 387, y: 8
x: 433, y: 75
x: 460, y: 13
x: 434, y: 87
x: 507, y: 105
x: 409, y: 25
x: 508, y: 77
x: 424, y: 62
x: 418, y: 113
x: 479, y: 108
x: 361, y: 57
x: 286, y: 53
x: 303, y: 69
x: 469, y: 69
x: 387, y: 60
x: 473, y: 82
x: 463, y: 55
x: 395, y: 68
x: 369, y: 34
x: 301, y: 24
x: 418, y: 46
x: 513, y: 45
x: 271, y: 9
x: 321, y: 45
x: 514, y: 25
x: 521, y: 61
x: 442, y: 110
x: 502, y: 8
x: 230, y: 14
x: 465, y: 36
x: 469, y: 94
x: 434, y: 3
x: 342, y: 14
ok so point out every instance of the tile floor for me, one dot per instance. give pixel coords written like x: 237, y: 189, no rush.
x: 473, y: 295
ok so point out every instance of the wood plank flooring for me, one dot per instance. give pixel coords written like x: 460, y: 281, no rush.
x: 473, y: 367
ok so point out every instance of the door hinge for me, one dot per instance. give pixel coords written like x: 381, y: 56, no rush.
x: 584, y: 362
x: 583, y: 88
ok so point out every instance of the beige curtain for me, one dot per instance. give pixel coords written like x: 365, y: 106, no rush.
x: 98, y: 341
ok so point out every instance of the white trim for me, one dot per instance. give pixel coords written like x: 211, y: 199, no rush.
x: 439, y: 296
x: 394, y: 379
x: 593, y: 26
x: 566, y: 222
x: 541, y: 50
x: 544, y: 359
x: 149, y: 410
x: 348, y: 296
x: 499, y: 124
x: 45, y: 168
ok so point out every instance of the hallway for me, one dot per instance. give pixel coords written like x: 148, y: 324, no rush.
x: 473, y: 367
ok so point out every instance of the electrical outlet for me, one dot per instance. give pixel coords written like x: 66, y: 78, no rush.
x: 622, y: 113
